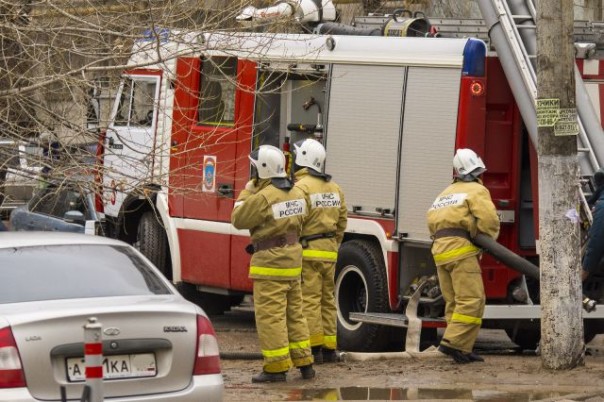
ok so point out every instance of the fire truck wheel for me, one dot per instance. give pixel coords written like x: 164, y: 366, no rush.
x: 361, y: 287
x: 153, y: 243
x: 527, y: 338
x: 591, y: 328
x: 212, y: 304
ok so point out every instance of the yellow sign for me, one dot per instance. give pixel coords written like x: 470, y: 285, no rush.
x: 568, y: 114
x: 548, y: 103
x: 566, y: 128
x: 547, y: 117
x: 568, y: 123
x: 548, y: 112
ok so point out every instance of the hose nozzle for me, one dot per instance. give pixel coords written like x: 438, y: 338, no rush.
x: 589, y: 305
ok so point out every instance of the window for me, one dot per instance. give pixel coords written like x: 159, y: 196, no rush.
x: 137, y: 102
x: 75, y: 271
x: 217, y: 92
x: 284, y: 99
x: 268, y: 109
x: 33, y: 155
x: 58, y: 201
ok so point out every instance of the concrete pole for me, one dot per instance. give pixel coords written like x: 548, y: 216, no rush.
x: 562, y: 345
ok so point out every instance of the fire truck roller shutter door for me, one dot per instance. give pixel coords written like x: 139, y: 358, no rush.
x: 436, y: 90
x: 368, y: 131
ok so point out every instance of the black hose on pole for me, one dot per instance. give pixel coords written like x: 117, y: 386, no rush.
x: 514, y: 261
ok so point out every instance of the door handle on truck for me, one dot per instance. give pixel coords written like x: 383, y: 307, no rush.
x: 225, y: 190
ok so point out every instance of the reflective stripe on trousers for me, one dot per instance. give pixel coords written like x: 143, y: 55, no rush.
x: 293, y: 273
x: 319, y: 254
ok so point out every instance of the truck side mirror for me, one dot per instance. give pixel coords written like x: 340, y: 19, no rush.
x: 74, y: 217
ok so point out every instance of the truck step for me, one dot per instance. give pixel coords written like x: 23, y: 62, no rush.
x: 394, y: 320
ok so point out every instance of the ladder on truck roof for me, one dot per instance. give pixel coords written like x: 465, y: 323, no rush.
x: 513, y: 34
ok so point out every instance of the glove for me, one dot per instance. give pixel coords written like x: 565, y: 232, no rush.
x: 251, y: 186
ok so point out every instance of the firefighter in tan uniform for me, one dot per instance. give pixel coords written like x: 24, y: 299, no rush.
x: 273, y: 211
x: 322, y: 235
x: 461, y: 211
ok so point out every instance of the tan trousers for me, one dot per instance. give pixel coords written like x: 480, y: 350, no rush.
x: 319, y: 302
x: 281, y: 326
x: 463, y: 290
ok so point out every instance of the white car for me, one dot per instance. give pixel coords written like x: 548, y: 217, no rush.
x: 156, y: 346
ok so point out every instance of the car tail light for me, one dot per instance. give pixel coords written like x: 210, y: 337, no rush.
x: 11, y: 371
x: 207, y: 360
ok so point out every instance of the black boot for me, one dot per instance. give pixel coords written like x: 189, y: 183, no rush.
x: 307, y: 372
x: 457, y: 355
x: 317, y: 354
x: 269, y: 377
x: 474, y: 357
x: 329, y: 356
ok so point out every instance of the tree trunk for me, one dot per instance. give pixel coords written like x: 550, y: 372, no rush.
x: 561, y: 320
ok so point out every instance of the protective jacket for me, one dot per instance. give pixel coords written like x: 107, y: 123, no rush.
x: 327, y: 216
x: 271, y: 213
x: 462, y: 205
x: 595, y: 245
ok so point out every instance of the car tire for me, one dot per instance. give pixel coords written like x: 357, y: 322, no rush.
x: 153, y: 242
x: 361, y: 287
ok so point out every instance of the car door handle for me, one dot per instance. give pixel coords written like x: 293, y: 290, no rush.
x: 225, y: 190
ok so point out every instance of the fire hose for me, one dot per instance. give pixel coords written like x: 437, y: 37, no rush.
x: 489, y: 245
x: 514, y: 261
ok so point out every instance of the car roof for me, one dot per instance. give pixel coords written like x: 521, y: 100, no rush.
x: 26, y: 239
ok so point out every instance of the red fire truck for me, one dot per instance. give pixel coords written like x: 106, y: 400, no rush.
x: 390, y: 110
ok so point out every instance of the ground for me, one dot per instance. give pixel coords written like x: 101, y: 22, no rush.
x: 506, y: 375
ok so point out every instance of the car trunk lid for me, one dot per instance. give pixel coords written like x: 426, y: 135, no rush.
x: 148, y: 344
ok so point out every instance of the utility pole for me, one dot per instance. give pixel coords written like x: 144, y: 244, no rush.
x: 560, y: 293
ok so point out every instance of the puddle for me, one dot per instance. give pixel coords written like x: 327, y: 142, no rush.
x: 398, y: 394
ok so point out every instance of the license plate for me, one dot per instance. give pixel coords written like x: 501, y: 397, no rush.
x: 117, y: 366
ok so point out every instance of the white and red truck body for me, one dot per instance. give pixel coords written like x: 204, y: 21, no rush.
x: 390, y: 111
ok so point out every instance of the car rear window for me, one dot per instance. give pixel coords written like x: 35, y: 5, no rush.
x: 74, y: 271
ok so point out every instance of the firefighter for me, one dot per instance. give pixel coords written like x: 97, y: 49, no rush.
x: 459, y: 213
x: 322, y: 235
x: 599, y: 183
x: 593, y: 259
x: 273, y: 211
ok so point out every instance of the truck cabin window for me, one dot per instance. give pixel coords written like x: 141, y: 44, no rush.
x: 284, y: 99
x: 137, y: 100
x: 217, y: 91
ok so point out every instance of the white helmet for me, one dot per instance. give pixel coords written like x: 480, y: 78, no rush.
x: 466, y: 162
x: 311, y: 154
x: 269, y: 161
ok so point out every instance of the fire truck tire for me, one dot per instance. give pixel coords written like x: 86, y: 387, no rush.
x: 361, y: 287
x: 591, y: 328
x: 527, y: 337
x: 212, y: 304
x: 152, y: 241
